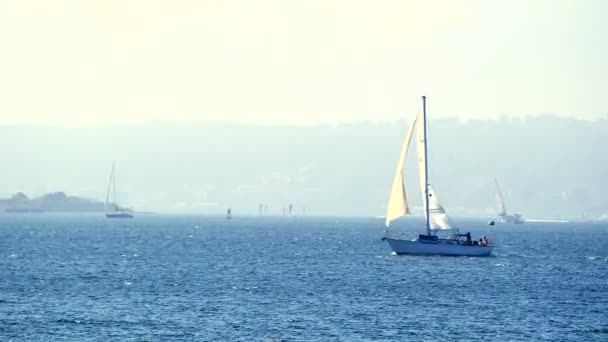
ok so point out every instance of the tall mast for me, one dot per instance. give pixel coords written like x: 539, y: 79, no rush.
x: 426, y: 171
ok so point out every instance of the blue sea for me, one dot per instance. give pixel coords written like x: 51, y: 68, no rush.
x: 196, y: 278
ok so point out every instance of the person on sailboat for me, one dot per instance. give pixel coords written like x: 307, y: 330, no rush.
x: 485, y: 241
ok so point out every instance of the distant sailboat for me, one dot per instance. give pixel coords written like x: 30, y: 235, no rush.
x: 112, y: 209
x: 436, y: 218
x: 229, y: 214
x: 502, y: 210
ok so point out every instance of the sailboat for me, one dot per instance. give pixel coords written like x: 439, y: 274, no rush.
x: 437, y: 220
x: 113, y: 210
x: 502, y: 210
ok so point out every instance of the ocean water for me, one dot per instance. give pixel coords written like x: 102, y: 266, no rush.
x: 195, y: 278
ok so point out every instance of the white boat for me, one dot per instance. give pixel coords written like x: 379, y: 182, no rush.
x: 112, y: 209
x: 437, y: 221
x: 502, y: 214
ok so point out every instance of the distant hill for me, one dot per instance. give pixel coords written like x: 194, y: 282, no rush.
x: 547, y: 166
x: 53, y: 202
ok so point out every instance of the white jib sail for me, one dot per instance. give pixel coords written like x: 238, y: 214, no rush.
x: 397, y: 202
x: 439, y: 218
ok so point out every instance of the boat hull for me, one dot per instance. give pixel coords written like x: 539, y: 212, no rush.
x: 512, y: 218
x: 416, y: 247
x: 119, y: 215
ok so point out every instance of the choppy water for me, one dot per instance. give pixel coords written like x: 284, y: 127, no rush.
x: 164, y: 278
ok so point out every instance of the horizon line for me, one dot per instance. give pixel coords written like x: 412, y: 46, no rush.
x: 316, y: 123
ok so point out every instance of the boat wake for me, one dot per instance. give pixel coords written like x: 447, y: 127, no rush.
x: 547, y: 220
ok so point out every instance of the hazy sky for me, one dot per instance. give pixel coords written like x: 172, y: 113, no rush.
x: 86, y: 62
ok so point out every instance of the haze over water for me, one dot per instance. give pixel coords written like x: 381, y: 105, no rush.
x: 346, y: 169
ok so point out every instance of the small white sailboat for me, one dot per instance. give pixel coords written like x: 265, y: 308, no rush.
x: 502, y: 210
x: 291, y: 214
x: 436, y: 218
x: 112, y: 209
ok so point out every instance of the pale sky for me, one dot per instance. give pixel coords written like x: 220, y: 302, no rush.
x: 78, y: 62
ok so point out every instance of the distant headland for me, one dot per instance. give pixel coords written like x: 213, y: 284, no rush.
x: 55, y: 202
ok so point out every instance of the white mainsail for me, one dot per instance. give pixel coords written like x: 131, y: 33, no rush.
x: 397, y: 202
x: 111, y: 188
x: 502, y: 210
x: 111, y: 204
x: 421, y: 157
